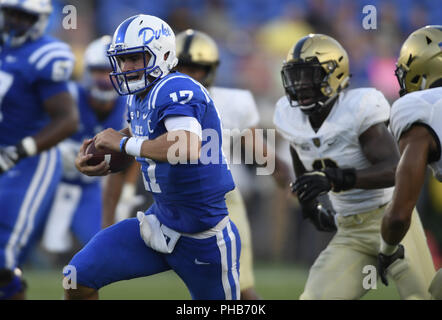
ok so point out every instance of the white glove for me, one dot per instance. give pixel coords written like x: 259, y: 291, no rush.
x: 8, y: 158
x: 10, y: 155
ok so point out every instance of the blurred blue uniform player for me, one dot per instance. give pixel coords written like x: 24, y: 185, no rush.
x: 36, y: 112
x: 187, y: 229
x: 77, y: 204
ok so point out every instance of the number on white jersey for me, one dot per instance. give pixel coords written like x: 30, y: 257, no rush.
x: 320, y: 164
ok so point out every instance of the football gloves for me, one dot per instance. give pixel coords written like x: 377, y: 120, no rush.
x: 10, y: 155
x: 315, y: 183
x: 384, y: 261
x: 322, y: 219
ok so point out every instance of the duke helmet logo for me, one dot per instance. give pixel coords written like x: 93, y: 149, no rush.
x: 149, y: 34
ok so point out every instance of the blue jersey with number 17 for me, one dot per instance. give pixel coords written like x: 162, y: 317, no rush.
x: 188, y: 197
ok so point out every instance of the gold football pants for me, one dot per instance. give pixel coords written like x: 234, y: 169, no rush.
x: 238, y: 214
x: 338, y: 271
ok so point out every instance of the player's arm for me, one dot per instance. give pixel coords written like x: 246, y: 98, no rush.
x: 258, y: 145
x: 183, y: 145
x: 63, y: 114
x: 381, y: 151
x: 415, y: 146
x: 51, y: 84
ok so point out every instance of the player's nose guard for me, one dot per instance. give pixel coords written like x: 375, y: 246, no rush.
x: 121, y: 79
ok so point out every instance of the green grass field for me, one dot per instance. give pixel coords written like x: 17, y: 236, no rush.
x: 273, y: 282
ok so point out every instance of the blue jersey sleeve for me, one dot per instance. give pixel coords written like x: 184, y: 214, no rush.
x: 181, y: 96
x: 52, y: 64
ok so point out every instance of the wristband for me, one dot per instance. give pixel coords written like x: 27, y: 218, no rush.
x: 29, y: 146
x: 133, y: 146
x: 123, y: 142
x: 387, y: 249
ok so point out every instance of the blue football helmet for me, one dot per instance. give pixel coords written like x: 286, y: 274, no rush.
x: 95, y: 58
x: 23, y: 20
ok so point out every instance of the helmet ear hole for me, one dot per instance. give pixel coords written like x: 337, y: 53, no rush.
x: 339, y: 76
x: 415, y: 79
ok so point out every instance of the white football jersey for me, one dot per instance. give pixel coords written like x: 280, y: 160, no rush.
x: 420, y: 106
x: 337, y: 142
x: 237, y: 110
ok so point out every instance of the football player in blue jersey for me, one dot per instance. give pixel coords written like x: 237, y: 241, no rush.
x: 77, y: 205
x: 187, y: 229
x: 36, y: 112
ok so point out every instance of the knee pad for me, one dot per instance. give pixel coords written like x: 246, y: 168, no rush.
x: 11, y: 283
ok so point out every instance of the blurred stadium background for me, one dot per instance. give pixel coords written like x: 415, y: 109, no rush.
x: 254, y: 37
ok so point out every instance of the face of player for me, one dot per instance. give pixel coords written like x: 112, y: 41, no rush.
x: 303, y: 83
x: 101, y: 90
x: 17, y: 22
x: 100, y: 79
x: 132, y: 62
x: 307, y: 89
x: 197, y: 73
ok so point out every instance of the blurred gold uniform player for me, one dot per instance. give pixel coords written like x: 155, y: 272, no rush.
x: 341, y: 146
x: 199, y: 57
x: 416, y: 123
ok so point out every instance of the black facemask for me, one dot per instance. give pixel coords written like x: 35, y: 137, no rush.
x: 303, y: 81
x: 17, y: 22
x: 400, y: 74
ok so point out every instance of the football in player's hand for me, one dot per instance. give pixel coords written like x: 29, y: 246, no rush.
x: 117, y: 160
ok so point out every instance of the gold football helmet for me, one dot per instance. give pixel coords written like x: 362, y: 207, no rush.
x: 197, y: 49
x: 420, y: 60
x: 315, y: 72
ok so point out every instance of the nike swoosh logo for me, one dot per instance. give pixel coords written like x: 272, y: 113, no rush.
x: 199, y: 262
